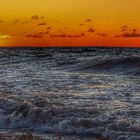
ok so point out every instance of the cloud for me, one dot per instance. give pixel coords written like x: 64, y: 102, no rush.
x: 123, y: 30
x: 47, y: 32
x: 124, y: 26
x: 128, y: 32
x: 132, y: 34
x: 24, y: 22
x: 128, y: 35
x: 42, y: 17
x: 48, y: 28
x: 34, y: 36
x: 68, y: 35
x: 35, y: 17
x: 91, y: 30
x: 42, y: 24
x: 83, y: 34
x: 40, y: 33
x: 134, y: 30
x: 117, y: 36
x: 81, y: 24
x: 66, y: 28
x: 101, y: 34
x: 16, y: 21
x: 88, y: 20
x: 1, y: 21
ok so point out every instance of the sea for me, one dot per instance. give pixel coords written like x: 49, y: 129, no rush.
x: 71, y: 91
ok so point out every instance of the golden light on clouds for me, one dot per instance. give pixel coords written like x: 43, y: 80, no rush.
x: 5, y: 36
x: 70, y: 23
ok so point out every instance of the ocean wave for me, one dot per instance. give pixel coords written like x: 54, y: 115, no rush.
x: 71, y: 91
x: 127, y: 66
x: 93, y: 60
x: 70, y: 126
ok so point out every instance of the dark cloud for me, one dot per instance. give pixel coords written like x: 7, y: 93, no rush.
x: 88, y: 20
x: 134, y: 30
x: 124, y: 26
x: 42, y: 17
x: 43, y: 33
x: 117, y: 36
x: 128, y: 32
x: 83, y: 34
x: 47, y: 32
x: 129, y: 35
x: 1, y: 21
x: 34, y: 36
x: 132, y: 34
x: 81, y: 24
x: 68, y: 35
x: 16, y: 21
x: 42, y: 24
x: 40, y: 33
x: 48, y: 28
x: 123, y: 30
x: 35, y: 17
x: 91, y: 30
x: 24, y: 22
x: 101, y: 34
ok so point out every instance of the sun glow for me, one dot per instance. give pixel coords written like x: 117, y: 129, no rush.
x: 5, y: 36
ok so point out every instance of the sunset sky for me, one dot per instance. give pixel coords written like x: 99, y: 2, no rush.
x: 70, y: 23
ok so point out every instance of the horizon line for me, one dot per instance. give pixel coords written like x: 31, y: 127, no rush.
x: 70, y: 47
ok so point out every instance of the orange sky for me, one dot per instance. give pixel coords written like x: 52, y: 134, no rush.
x: 70, y: 23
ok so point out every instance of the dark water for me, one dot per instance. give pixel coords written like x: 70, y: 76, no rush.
x: 71, y: 91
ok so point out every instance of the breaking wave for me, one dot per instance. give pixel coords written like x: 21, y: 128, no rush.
x: 127, y: 66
